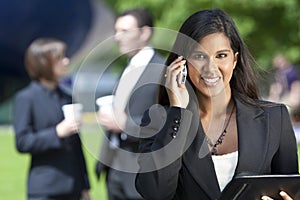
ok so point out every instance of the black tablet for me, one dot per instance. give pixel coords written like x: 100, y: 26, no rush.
x: 255, y: 186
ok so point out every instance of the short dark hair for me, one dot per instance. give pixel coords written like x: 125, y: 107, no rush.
x: 40, y: 56
x: 142, y: 15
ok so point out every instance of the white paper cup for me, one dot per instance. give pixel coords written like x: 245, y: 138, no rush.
x: 72, y: 111
x: 105, y: 103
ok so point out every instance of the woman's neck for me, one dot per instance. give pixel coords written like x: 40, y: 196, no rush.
x: 213, y: 113
x: 48, y: 84
x: 215, y: 105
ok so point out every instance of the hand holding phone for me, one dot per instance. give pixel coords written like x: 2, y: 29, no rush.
x: 183, y: 75
x: 177, y: 91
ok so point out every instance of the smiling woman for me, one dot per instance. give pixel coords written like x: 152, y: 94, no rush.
x: 214, y: 60
x: 215, y: 126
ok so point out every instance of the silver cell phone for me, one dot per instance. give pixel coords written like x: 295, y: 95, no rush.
x: 183, y: 75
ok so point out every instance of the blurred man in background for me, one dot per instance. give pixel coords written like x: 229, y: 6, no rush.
x: 136, y: 92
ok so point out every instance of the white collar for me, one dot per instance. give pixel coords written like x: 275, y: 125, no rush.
x: 143, y: 57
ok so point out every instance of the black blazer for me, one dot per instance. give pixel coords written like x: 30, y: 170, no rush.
x: 142, y: 97
x: 185, y: 170
x: 57, y: 165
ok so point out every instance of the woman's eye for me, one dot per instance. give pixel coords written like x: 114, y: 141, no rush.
x: 58, y: 57
x: 221, y: 55
x: 198, y: 56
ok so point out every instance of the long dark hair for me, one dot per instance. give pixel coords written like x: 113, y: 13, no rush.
x: 203, y: 23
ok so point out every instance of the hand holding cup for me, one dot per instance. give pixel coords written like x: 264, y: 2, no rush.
x: 72, y: 122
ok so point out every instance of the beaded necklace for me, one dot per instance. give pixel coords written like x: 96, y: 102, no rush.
x: 220, y: 139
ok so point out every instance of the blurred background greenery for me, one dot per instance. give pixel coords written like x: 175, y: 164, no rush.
x: 267, y: 26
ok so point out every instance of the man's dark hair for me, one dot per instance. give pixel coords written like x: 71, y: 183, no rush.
x: 142, y: 15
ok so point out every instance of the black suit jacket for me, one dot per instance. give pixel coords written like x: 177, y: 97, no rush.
x: 185, y: 170
x: 57, y: 165
x: 143, y: 96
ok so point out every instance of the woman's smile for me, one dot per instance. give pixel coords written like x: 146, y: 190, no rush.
x: 211, y: 81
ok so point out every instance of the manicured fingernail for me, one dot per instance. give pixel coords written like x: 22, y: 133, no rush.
x: 282, y: 193
x: 265, y: 198
x: 180, y: 56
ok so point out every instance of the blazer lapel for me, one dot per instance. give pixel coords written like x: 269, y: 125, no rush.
x: 151, y: 76
x: 253, y: 132
x: 198, y: 161
x: 252, y: 125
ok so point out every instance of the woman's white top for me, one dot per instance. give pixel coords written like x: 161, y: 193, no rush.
x: 225, y: 166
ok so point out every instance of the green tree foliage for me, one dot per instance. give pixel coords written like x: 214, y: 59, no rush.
x: 267, y: 26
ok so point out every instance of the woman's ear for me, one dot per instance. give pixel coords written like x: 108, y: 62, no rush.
x: 236, y: 56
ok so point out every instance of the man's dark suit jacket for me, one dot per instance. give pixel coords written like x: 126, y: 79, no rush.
x: 266, y: 145
x: 57, y: 165
x: 143, y: 96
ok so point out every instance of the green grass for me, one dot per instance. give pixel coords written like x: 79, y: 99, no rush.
x: 14, y: 166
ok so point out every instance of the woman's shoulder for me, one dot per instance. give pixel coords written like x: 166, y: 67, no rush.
x: 266, y: 103
x: 27, y: 92
x: 271, y: 106
x: 261, y: 104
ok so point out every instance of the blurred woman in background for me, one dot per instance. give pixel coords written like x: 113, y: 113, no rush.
x: 57, y: 170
